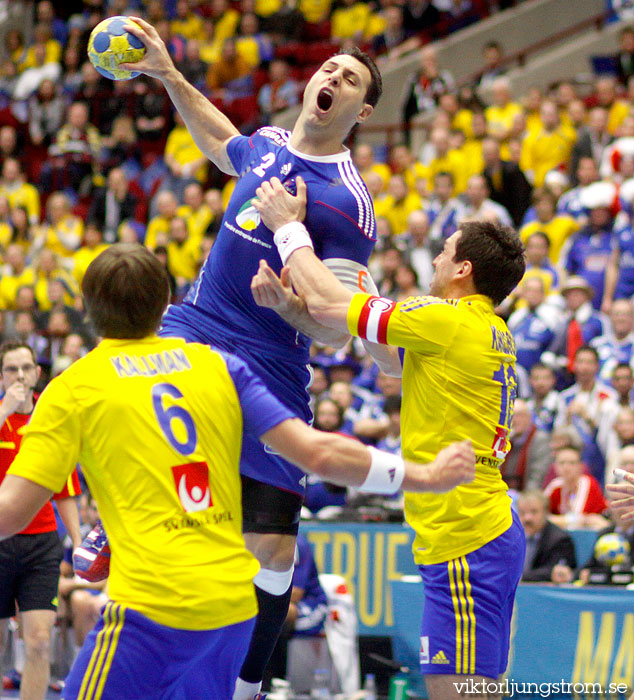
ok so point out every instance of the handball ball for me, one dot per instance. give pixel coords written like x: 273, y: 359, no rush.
x: 110, y: 44
x: 612, y: 549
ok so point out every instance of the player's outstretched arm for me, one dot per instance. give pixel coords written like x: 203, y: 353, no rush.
x: 346, y: 462
x: 20, y: 501
x: 273, y: 292
x: 321, y: 294
x: 622, y: 494
x: 210, y: 128
x: 314, y: 282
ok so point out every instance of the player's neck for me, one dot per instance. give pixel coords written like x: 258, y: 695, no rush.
x: 315, y: 143
x: 457, y: 289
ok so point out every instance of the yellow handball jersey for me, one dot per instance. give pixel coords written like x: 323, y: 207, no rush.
x: 458, y: 383
x: 157, y: 426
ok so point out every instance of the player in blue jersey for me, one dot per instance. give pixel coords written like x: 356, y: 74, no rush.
x: 220, y: 309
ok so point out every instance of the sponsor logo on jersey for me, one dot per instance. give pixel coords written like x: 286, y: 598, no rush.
x: 192, y: 486
x: 278, y: 136
x: 248, y: 217
x: 285, y: 169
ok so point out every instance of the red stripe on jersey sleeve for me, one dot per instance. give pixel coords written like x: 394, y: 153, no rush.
x: 363, y: 319
x: 384, y: 319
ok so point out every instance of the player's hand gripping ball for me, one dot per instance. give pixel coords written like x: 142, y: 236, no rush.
x: 612, y: 549
x: 110, y: 44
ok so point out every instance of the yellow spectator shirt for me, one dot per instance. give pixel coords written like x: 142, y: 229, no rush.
x: 64, y: 238
x: 41, y: 287
x: 226, y: 26
x: 157, y: 426
x: 543, y: 151
x: 397, y: 212
x: 558, y: 230
x: 314, y: 11
x: 348, y: 22
x: 83, y: 257
x: 453, y: 162
x: 25, y: 195
x: 197, y: 221
x: 183, y: 259
x: 157, y: 226
x: 181, y: 146
x: 500, y: 119
x: 458, y: 383
x: 9, y: 287
x: 189, y: 28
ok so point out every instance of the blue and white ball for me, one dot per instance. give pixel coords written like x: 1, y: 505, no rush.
x: 110, y: 44
x: 612, y: 549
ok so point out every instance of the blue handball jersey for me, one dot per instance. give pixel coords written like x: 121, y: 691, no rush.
x: 220, y: 310
x: 339, y: 216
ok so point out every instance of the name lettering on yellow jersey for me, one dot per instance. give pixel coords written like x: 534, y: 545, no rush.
x: 166, y: 362
x: 502, y: 341
x: 488, y: 461
x: 189, y: 521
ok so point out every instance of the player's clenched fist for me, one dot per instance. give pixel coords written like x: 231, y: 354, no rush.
x: 453, y: 466
x: 277, y: 206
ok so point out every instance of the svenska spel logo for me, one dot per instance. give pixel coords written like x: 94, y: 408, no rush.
x: 248, y: 216
x: 192, y: 486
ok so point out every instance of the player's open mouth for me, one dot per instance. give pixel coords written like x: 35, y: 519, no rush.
x: 324, y: 99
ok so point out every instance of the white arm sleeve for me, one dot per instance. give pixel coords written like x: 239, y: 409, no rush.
x: 352, y: 275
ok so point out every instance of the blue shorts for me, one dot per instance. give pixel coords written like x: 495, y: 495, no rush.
x: 468, y: 608
x: 287, y: 381
x: 128, y: 657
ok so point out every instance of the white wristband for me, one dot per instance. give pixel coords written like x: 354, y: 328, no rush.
x: 386, y: 474
x: 290, y: 237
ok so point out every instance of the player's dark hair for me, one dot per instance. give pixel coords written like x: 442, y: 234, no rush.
x: 375, y: 88
x: 126, y: 290
x: 496, y: 254
x: 10, y: 346
x: 623, y: 365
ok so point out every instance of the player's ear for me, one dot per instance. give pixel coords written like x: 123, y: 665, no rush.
x: 465, y: 269
x: 365, y: 112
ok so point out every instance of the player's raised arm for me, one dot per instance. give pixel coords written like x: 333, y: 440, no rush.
x: 346, y: 462
x: 209, y: 127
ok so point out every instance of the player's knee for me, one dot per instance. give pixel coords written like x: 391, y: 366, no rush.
x: 273, y: 551
x: 274, y: 582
